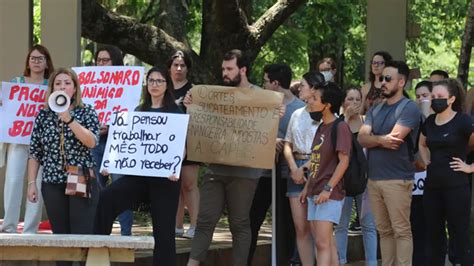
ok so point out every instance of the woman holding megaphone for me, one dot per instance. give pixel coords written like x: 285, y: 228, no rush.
x: 38, y: 67
x: 62, y: 141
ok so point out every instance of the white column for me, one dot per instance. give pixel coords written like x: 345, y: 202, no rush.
x: 15, y: 40
x: 61, y: 31
x: 386, y: 28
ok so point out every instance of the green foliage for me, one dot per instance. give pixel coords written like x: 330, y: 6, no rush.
x: 36, y: 21
x: 320, y: 28
x: 442, y: 25
x: 194, y: 24
x: 335, y: 28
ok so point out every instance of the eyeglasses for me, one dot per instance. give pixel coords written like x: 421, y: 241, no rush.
x: 377, y: 63
x: 103, y: 60
x: 37, y: 59
x: 156, y: 82
x: 387, y: 78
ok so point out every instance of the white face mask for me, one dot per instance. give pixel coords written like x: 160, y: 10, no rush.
x: 327, y: 75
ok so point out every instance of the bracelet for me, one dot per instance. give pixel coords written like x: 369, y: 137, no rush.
x: 70, y: 121
x: 31, y: 182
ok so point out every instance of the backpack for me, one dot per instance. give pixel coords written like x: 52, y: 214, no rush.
x: 355, y: 177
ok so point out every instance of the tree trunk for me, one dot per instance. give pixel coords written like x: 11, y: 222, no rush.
x: 225, y: 26
x: 466, y: 49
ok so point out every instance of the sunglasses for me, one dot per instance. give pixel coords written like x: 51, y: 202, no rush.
x: 377, y: 63
x: 387, y: 78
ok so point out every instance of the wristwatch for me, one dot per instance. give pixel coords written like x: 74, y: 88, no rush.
x: 327, y: 188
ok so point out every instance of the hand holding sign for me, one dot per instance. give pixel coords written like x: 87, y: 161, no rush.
x: 21, y: 104
x: 146, y: 144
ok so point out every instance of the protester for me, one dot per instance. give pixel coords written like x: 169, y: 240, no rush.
x: 38, y: 67
x: 297, y: 151
x: 352, y: 107
x: 438, y: 74
x: 225, y: 185
x: 386, y: 134
x: 372, y: 91
x: 295, y: 87
x: 277, y: 77
x: 324, y: 190
x: 444, y: 145
x: 59, y: 140
x: 327, y: 67
x: 179, y: 65
x: 109, y: 55
x: 162, y: 193
x: 417, y: 218
x: 106, y: 55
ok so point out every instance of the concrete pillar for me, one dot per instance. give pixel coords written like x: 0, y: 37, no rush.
x: 61, y: 31
x: 386, y: 28
x: 16, y: 31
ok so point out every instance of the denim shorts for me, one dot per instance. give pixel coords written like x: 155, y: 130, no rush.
x: 293, y: 190
x: 329, y: 211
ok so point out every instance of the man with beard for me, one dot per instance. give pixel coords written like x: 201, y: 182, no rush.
x: 389, y: 134
x: 225, y: 185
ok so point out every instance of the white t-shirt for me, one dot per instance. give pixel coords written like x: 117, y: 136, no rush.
x: 301, y: 131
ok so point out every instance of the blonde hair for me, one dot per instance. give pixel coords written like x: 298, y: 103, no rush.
x: 76, y: 98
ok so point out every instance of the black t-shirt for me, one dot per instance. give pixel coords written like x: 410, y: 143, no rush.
x: 445, y: 142
x: 180, y: 93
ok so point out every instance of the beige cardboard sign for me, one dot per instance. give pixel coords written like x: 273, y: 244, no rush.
x: 233, y: 126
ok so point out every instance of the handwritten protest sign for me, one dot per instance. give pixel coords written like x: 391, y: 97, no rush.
x: 233, y: 126
x: 419, y: 184
x: 146, y: 143
x: 21, y: 104
x: 110, y: 88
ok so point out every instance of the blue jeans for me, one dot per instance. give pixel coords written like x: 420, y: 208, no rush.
x: 98, y: 153
x: 369, y: 233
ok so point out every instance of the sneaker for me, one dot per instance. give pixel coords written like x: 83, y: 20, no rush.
x: 179, y: 232
x: 189, y: 233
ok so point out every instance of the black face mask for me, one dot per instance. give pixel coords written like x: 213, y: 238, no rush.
x: 317, y: 115
x: 439, y: 105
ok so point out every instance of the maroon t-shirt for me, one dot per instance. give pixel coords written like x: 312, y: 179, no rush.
x: 324, y: 159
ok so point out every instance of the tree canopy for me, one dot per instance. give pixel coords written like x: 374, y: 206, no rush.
x: 298, y: 32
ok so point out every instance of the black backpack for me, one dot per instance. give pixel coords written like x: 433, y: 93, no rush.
x: 355, y: 177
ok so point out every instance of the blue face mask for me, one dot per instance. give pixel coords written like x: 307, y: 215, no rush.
x: 327, y: 75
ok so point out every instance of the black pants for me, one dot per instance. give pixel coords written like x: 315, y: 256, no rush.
x: 418, y: 230
x: 69, y: 214
x: 452, y: 205
x: 127, y: 193
x: 285, y: 242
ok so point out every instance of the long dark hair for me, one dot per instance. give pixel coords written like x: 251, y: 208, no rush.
x: 168, y: 99
x: 330, y: 91
x: 49, y: 62
x: 115, y: 54
x: 386, y: 57
x: 454, y: 88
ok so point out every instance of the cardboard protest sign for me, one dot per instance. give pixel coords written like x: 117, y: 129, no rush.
x: 110, y: 88
x: 233, y: 126
x: 419, y: 184
x: 145, y: 143
x: 21, y: 104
